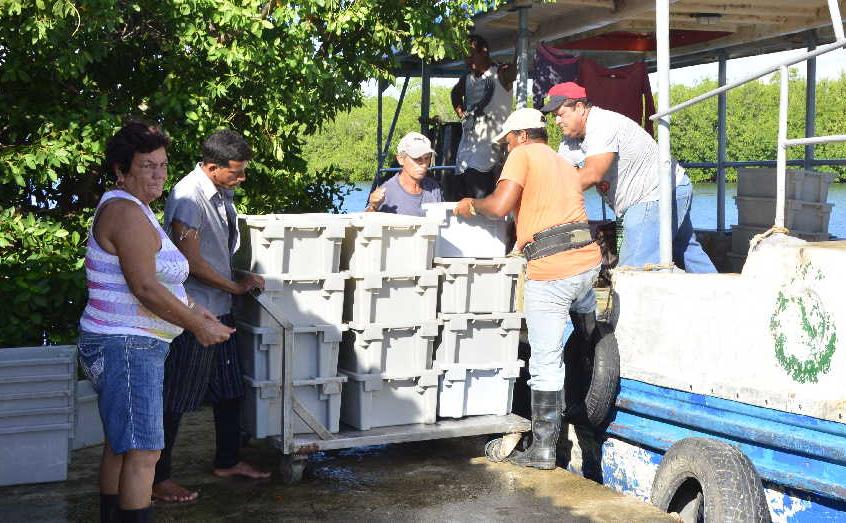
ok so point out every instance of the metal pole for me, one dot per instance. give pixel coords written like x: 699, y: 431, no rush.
x: 721, y: 147
x: 662, y: 35
x: 523, y: 58
x: 379, y: 158
x: 810, y: 101
x: 396, y: 117
x: 781, y: 153
x: 425, y: 98
x: 836, y: 21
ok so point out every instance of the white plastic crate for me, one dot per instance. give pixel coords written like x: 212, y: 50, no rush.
x: 799, y: 215
x: 471, y: 339
x: 35, y: 453
x: 290, y: 243
x: 392, y: 298
x: 473, y: 285
x: 262, y: 409
x: 28, y: 373
x: 477, y: 390
x: 313, y: 300
x: 88, y: 428
x: 384, y: 242
x: 742, y: 235
x: 474, y: 237
x: 378, y: 400
x: 315, y: 351
x: 808, y: 186
x: 391, y: 349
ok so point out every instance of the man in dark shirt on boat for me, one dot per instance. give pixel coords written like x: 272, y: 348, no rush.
x: 409, y: 189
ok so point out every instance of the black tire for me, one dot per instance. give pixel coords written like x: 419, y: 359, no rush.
x: 604, y: 381
x: 703, y: 479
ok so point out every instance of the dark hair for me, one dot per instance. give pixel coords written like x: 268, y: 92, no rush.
x: 136, y: 136
x: 571, y: 102
x: 478, y: 42
x: 224, y: 146
x: 537, y: 134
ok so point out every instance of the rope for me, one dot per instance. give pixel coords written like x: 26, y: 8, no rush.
x: 758, y: 238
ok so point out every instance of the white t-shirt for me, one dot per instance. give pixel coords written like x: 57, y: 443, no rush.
x: 476, y: 148
x: 633, y: 176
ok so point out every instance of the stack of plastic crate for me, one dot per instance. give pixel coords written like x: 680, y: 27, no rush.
x: 480, y: 331
x: 391, y: 309
x: 299, y: 257
x: 806, y: 210
x: 37, y: 390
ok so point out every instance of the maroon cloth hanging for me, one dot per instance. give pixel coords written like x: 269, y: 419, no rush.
x: 551, y: 66
x: 625, y: 90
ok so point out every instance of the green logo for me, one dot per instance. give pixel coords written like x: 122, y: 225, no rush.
x: 804, y: 334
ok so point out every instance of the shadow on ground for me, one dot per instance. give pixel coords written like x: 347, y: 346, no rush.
x: 427, y: 481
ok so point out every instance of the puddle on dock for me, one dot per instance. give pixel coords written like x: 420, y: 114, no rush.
x: 423, y: 481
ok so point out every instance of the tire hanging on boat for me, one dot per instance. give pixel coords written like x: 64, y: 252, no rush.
x: 703, y: 479
x: 591, y: 401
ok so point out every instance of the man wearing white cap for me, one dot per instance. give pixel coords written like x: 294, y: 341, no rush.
x: 545, y: 193
x: 409, y: 189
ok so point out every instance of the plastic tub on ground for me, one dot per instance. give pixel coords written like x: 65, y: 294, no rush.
x: 385, y: 348
x: 290, y: 243
x: 807, y: 186
x: 473, y: 285
x: 392, y: 298
x: 379, y: 400
x: 88, y: 428
x: 25, y: 371
x: 741, y: 235
x: 470, y: 339
x: 315, y: 351
x: 35, y: 453
x: 383, y: 242
x: 477, y: 389
x: 474, y: 237
x: 302, y: 300
x: 798, y: 215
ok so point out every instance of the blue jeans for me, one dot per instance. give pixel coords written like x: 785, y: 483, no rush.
x: 641, y: 225
x: 547, y: 308
x: 127, y: 372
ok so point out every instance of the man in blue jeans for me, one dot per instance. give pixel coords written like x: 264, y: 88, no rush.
x: 617, y: 156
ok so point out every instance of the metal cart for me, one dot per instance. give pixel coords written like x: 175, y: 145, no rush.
x: 296, y: 448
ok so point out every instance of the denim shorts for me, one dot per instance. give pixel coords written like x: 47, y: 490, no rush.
x: 127, y: 371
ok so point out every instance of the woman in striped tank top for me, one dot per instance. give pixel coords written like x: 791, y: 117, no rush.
x: 136, y: 306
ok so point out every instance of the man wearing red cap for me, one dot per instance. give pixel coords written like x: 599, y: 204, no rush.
x: 617, y: 156
x: 545, y: 194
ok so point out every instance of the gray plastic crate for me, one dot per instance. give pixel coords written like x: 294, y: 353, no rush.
x: 392, y: 298
x: 808, y: 186
x: 477, y: 390
x: 315, y: 351
x: 474, y: 285
x: 473, y: 237
x: 799, y: 215
x: 38, y: 370
x: 378, y: 400
x: 35, y: 400
x: 35, y: 454
x: 36, y: 417
x: 741, y: 236
x: 88, y: 428
x: 313, y: 300
x: 261, y: 412
x: 290, y: 243
x: 479, y: 338
x: 380, y: 242
x: 386, y: 348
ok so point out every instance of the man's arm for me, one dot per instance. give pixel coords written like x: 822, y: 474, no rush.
x: 501, y: 202
x: 595, y: 168
x: 457, y: 96
x: 187, y: 240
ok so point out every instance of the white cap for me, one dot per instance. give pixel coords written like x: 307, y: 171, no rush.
x: 414, y: 145
x: 526, y: 118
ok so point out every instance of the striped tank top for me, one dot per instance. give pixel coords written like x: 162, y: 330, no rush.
x: 111, y: 307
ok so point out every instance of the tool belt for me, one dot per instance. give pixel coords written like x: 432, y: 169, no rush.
x: 558, y: 238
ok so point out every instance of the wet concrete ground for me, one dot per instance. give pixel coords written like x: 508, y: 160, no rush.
x: 442, y: 480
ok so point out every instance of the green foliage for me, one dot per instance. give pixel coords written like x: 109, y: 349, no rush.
x: 43, y: 280
x: 71, y: 72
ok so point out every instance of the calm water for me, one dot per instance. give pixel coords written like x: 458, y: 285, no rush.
x: 703, y: 213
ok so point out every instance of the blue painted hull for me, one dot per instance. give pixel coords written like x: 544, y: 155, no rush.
x: 802, y: 460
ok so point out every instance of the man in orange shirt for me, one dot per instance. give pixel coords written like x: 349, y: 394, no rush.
x: 545, y: 193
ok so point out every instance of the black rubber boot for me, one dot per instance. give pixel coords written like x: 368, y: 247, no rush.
x: 546, y: 425
x: 108, y: 508
x: 141, y: 515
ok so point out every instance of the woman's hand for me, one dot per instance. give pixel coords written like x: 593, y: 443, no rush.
x: 209, y: 331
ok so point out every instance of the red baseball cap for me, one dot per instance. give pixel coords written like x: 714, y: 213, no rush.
x: 562, y: 92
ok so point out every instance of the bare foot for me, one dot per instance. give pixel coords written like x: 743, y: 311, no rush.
x: 241, y: 469
x: 170, y: 491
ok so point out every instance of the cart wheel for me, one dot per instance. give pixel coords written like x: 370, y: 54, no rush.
x: 292, y: 468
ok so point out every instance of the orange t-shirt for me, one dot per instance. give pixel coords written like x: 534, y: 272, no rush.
x: 552, y: 195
